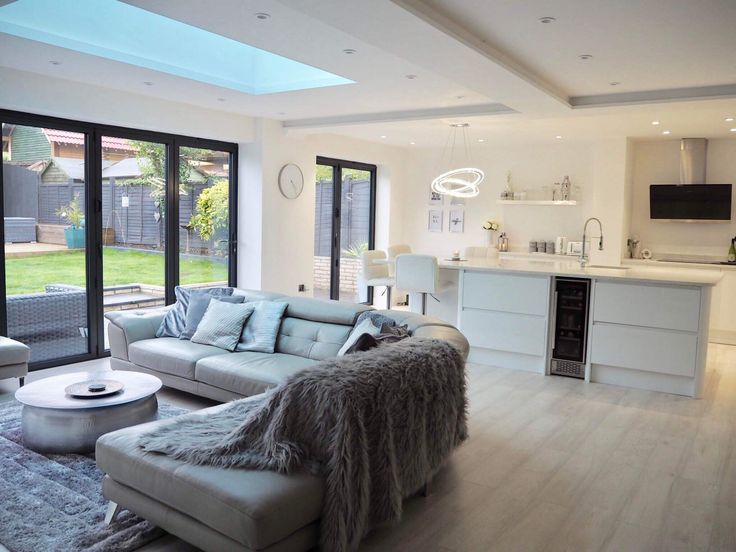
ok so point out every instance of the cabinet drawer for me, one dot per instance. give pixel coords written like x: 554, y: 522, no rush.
x: 516, y: 293
x: 646, y: 349
x: 503, y: 331
x: 675, y: 308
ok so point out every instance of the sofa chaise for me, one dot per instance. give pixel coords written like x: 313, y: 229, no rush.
x: 229, y: 509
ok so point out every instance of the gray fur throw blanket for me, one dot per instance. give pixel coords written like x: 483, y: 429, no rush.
x: 377, y: 425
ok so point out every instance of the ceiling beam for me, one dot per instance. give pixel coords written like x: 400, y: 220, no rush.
x: 410, y: 115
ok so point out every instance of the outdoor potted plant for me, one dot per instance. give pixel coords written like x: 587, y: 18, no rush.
x: 74, y: 214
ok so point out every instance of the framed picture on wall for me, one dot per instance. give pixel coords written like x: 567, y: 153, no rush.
x: 434, y: 197
x: 457, y: 220
x: 435, y: 220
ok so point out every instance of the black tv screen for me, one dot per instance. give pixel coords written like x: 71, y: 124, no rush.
x: 690, y: 201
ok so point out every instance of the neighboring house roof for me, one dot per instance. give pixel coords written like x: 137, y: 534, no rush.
x: 73, y: 168
x: 77, y: 138
x: 125, y: 168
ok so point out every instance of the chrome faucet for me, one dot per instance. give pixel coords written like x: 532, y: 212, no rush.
x: 583, y: 255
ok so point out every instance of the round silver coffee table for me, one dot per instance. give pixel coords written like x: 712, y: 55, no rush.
x: 54, y: 422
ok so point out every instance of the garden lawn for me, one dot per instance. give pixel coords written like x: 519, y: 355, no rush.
x: 31, y: 274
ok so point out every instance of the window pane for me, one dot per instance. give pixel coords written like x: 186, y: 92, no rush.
x: 355, y: 215
x: 323, y: 214
x: 44, y: 193
x: 133, y: 224
x: 204, y: 216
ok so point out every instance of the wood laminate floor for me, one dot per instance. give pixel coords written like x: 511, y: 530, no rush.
x: 554, y: 464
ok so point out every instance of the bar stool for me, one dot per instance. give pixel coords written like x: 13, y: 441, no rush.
x: 393, y: 252
x: 418, y: 274
x: 376, y: 273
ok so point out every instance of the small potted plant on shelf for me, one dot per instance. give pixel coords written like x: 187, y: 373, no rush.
x: 73, y: 213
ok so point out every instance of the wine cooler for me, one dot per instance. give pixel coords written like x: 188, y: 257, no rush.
x: 570, y: 327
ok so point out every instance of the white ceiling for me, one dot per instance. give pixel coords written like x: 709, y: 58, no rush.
x: 474, y: 60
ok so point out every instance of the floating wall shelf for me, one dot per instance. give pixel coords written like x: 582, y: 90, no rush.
x: 534, y: 202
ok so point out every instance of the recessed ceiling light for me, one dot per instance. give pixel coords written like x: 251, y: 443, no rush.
x: 614, y: 83
x: 263, y: 16
x: 727, y: 119
x: 349, y: 51
x: 459, y: 97
x: 481, y: 139
x: 732, y: 130
x: 585, y: 57
x: 412, y: 143
x: 383, y: 136
x: 558, y: 137
x: 655, y: 123
x: 460, y: 125
x: 54, y: 62
x: 411, y: 77
x: 221, y: 99
x: 547, y: 20
x: 665, y: 132
x: 148, y: 83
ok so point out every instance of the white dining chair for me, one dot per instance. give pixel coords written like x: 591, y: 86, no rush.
x: 375, y: 274
x: 418, y: 274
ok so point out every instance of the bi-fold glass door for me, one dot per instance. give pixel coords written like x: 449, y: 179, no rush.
x: 98, y: 219
x: 344, y: 226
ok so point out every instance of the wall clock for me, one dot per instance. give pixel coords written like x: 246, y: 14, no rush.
x: 291, y: 181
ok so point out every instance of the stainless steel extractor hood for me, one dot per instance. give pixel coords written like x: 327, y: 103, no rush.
x: 693, y: 152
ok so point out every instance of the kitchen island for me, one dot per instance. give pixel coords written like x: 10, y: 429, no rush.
x: 647, y: 327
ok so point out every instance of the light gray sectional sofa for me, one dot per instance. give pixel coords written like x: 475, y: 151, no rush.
x: 229, y: 509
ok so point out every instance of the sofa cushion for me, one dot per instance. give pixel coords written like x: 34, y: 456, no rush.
x: 222, y: 324
x: 309, y: 339
x: 259, y: 333
x: 249, y: 373
x: 13, y: 352
x: 198, y: 304
x: 170, y: 355
x: 255, y: 508
x: 175, y: 320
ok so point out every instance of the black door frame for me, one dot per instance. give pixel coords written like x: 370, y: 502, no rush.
x: 337, y: 166
x: 93, y: 134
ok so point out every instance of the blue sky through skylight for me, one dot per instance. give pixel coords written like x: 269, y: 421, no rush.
x: 121, y: 32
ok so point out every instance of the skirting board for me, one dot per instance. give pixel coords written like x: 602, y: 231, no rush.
x: 726, y: 337
x: 640, y: 379
x: 503, y: 359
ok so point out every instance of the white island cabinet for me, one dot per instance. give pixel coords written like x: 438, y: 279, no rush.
x: 651, y: 336
x: 505, y: 318
x: 647, y: 328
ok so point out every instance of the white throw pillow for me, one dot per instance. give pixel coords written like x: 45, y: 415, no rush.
x: 365, y: 327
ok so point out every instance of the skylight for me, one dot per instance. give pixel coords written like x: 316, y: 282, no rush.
x: 121, y: 32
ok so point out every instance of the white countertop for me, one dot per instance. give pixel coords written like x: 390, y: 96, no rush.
x: 568, y: 267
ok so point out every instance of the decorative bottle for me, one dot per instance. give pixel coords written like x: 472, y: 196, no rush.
x: 732, y: 251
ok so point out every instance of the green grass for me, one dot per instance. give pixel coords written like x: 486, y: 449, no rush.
x: 31, y: 274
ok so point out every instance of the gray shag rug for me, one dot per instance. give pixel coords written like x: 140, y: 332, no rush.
x: 54, y: 502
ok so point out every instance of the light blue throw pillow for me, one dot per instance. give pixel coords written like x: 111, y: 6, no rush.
x: 222, y: 324
x: 262, y: 328
x: 198, y: 303
x: 175, y: 320
x: 365, y: 327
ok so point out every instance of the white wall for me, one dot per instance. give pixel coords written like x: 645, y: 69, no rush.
x: 34, y: 93
x: 659, y: 163
x: 281, y: 256
x: 598, y: 169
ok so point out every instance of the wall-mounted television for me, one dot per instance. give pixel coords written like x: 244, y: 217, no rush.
x: 697, y: 202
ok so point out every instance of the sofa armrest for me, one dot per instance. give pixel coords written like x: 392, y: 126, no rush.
x: 129, y: 326
x: 445, y: 333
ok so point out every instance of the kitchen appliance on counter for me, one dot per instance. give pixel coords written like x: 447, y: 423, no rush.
x: 571, y: 302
